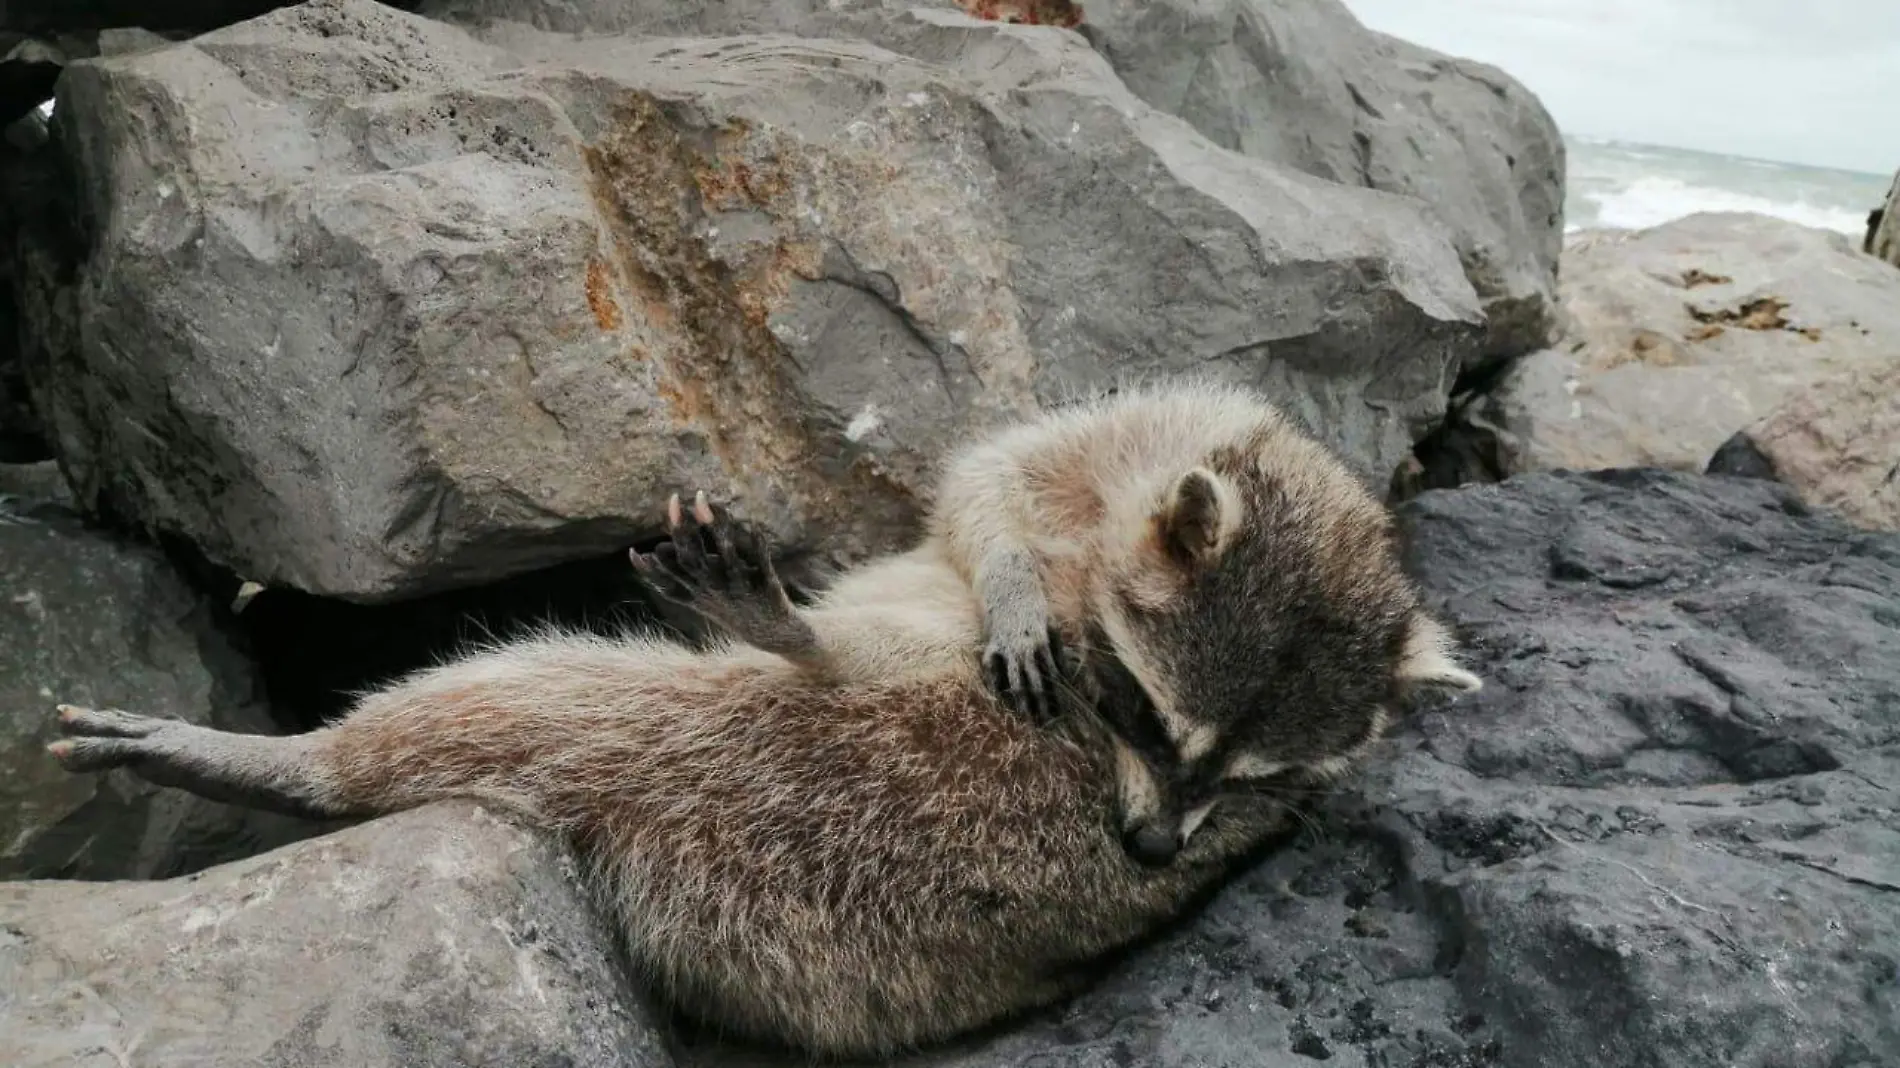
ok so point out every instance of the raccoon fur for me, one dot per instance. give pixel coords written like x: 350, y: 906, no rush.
x: 828, y: 829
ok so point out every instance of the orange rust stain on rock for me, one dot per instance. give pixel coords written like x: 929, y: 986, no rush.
x: 600, y: 295
x: 735, y: 184
x: 722, y: 372
x: 1064, y: 13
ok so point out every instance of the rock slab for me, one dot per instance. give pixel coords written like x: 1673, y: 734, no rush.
x: 1686, y: 333
x: 88, y: 619
x: 376, y: 309
x: 1836, y: 444
x: 1669, y: 830
x: 435, y: 938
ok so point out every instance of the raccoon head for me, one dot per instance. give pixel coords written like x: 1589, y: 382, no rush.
x: 1259, y: 633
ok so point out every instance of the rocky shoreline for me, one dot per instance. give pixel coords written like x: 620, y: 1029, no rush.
x: 352, y: 332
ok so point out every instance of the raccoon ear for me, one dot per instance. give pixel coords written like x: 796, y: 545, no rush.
x: 1199, y: 519
x: 1427, y: 660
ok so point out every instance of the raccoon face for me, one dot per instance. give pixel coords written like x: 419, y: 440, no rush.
x: 1260, y: 640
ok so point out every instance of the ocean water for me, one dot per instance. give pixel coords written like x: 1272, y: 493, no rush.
x: 1619, y: 185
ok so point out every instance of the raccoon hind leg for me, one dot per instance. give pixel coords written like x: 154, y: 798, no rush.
x: 253, y: 770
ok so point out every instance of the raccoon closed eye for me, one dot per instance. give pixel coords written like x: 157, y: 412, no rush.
x: 1132, y: 709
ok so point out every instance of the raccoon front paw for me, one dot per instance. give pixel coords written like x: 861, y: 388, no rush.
x: 725, y: 574
x: 1025, y: 663
x: 103, y: 739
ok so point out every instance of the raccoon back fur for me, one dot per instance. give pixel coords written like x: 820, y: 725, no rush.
x: 829, y: 829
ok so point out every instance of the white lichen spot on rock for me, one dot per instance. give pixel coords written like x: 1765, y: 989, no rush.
x: 34, y: 604
x: 245, y: 594
x: 200, y: 918
x: 525, y: 970
x: 864, y: 423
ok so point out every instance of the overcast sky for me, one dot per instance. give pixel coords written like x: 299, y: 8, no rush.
x: 1801, y: 81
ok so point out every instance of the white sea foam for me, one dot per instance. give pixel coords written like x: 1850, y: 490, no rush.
x: 1626, y: 186
x: 1649, y: 202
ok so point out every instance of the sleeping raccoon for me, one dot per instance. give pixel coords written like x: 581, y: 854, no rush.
x: 827, y: 829
x: 1240, y: 578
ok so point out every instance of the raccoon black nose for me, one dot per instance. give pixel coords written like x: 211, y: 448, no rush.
x: 1151, y: 844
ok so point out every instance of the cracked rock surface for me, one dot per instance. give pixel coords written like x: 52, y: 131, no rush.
x: 377, y: 308
x: 439, y: 938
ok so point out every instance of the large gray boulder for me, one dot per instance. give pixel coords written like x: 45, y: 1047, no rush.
x: 373, y: 308
x: 1299, y: 83
x: 441, y: 938
x: 1684, y: 334
x: 1303, y: 84
x: 88, y: 619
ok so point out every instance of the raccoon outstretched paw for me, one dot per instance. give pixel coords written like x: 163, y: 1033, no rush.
x: 1025, y: 663
x: 723, y: 571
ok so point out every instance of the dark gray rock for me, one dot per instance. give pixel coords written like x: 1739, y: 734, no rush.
x: 87, y: 619
x: 375, y: 309
x: 1740, y: 457
x: 22, y: 435
x: 440, y: 938
x: 37, y: 234
x: 1667, y: 833
x: 22, y: 439
x: 32, y: 484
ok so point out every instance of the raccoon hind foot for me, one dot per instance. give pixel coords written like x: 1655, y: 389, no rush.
x: 723, y: 571
x: 102, y: 739
x: 257, y: 771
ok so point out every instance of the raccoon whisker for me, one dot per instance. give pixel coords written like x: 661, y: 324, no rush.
x: 1308, y: 823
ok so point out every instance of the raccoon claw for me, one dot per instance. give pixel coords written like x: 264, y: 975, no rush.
x: 1026, y: 672
x: 704, y: 560
x: 724, y: 574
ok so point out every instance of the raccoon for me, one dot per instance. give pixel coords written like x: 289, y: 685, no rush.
x: 827, y: 828
x: 1238, y: 576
